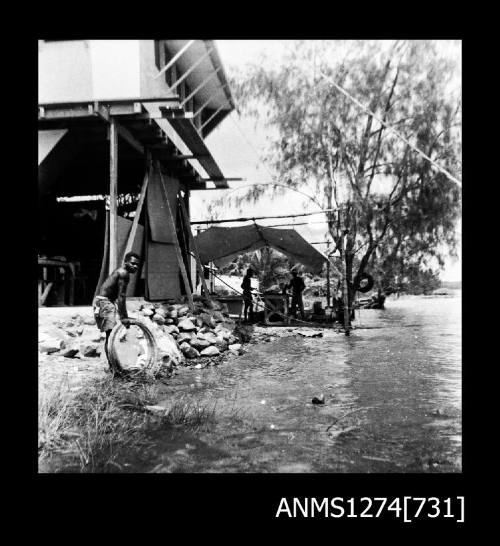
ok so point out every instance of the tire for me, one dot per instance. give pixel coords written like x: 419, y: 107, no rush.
x: 148, y: 335
x: 369, y: 285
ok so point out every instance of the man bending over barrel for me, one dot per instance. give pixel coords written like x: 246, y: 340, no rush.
x: 111, y: 299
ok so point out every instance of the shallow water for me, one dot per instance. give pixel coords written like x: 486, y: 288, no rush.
x: 392, y: 400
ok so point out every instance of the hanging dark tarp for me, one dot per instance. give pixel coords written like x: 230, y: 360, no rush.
x: 221, y: 245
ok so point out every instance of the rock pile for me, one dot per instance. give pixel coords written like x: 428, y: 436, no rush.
x: 182, y: 335
x: 206, y: 331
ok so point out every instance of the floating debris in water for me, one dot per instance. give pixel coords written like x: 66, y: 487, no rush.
x: 308, y: 334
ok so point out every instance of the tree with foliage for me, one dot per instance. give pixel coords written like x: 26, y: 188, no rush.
x: 394, y: 208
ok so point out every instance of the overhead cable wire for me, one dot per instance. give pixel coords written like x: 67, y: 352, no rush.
x: 253, y: 218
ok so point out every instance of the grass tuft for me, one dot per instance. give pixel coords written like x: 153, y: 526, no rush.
x: 186, y: 413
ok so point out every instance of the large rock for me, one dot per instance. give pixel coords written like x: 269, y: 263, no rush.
x: 235, y: 348
x: 186, y: 325
x: 148, y: 312
x: 90, y: 349
x: 185, y: 336
x: 209, y: 336
x: 171, y: 329
x: 208, y: 320
x: 221, y: 344
x: 210, y: 351
x: 223, y: 332
x: 173, y: 314
x: 89, y: 320
x: 199, y: 344
x: 167, y: 347
x: 158, y: 319
x: 70, y: 351
x: 160, y: 311
x: 183, y: 311
x: 218, y: 316
x: 188, y: 351
x: 51, y: 345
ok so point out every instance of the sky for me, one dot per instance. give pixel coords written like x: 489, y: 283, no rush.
x: 237, y: 145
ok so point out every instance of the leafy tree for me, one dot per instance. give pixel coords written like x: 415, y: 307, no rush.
x: 395, y: 209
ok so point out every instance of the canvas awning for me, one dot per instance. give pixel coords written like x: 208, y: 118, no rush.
x: 221, y: 245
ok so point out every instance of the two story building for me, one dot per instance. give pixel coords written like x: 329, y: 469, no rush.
x: 122, y: 128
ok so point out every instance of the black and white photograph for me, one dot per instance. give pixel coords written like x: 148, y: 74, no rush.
x: 249, y: 257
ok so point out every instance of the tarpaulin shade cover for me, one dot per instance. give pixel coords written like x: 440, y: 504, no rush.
x: 221, y: 245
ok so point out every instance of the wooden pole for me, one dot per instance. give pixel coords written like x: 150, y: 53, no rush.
x: 105, y: 256
x: 328, y: 295
x: 192, y: 240
x: 345, y: 288
x: 113, y: 195
x: 135, y: 223
x: 43, y: 297
x: 182, y: 267
x: 211, y: 274
x: 342, y: 216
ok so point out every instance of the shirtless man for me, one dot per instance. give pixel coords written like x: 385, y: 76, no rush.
x: 111, y: 299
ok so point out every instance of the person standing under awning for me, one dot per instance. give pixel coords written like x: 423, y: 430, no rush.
x: 246, y: 285
x: 297, y: 285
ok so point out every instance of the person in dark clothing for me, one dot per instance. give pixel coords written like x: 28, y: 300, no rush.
x: 246, y: 285
x: 297, y: 285
x: 111, y: 300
